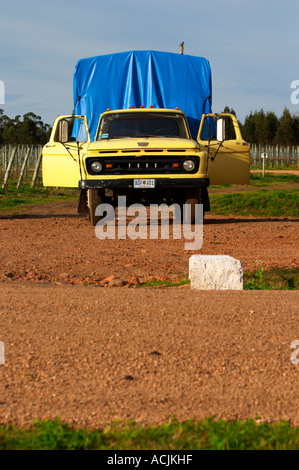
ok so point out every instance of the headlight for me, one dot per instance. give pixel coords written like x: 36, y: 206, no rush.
x: 189, y: 165
x: 96, y: 166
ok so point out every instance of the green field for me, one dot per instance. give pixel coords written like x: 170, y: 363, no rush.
x: 269, y: 179
x: 190, y: 435
x: 262, y: 203
x: 12, y: 198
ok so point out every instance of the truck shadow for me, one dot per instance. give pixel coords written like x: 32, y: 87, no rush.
x: 41, y: 216
x: 248, y: 221
x: 207, y: 221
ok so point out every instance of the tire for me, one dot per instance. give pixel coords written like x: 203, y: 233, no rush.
x: 192, y: 200
x: 83, y: 204
x: 95, y: 198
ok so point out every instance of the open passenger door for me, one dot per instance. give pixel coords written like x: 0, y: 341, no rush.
x: 62, y: 155
x: 228, y: 154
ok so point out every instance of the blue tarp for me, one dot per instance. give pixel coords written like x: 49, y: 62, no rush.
x: 135, y: 78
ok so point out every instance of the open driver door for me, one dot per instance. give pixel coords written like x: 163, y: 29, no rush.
x: 62, y: 155
x: 228, y: 154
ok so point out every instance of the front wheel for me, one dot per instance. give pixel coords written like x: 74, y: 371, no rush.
x: 192, y: 199
x: 95, y: 197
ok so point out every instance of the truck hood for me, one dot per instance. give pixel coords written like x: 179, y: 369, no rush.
x: 143, y: 143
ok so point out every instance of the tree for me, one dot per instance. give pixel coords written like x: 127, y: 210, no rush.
x: 296, y: 129
x: 285, y: 134
x: 262, y: 128
x: 9, y: 135
x: 30, y: 130
x: 270, y: 127
x: 248, y: 129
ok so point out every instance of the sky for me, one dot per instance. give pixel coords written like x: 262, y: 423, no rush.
x: 252, y: 47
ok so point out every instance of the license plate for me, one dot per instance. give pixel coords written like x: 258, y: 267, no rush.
x: 144, y: 183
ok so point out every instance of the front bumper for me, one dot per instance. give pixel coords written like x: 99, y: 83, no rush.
x: 159, y: 183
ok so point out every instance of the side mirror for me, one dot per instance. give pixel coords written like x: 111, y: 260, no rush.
x: 220, y: 130
x: 63, y: 131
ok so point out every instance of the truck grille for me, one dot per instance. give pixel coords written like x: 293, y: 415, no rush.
x: 142, y: 165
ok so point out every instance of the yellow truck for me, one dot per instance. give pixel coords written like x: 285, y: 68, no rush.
x: 143, y: 128
x: 147, y: 155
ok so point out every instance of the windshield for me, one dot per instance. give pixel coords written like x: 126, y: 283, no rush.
x: 118, y: 125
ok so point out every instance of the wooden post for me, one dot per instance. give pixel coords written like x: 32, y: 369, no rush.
x: 5, y: 158
x: 37, y: 166
x: 17, y: 159
x: 253, y: 154
x: 9, y: 166
x: 2, y: 157
x: 23, y: 167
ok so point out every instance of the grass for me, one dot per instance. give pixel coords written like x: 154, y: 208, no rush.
x: 271, y: 279
x: 273, y: 166
x: 270, y: 178
x: 11, y: 197
x: 261, y: 278
x: 163, y: 283
x: 262, y: 203
x: 189, y: 435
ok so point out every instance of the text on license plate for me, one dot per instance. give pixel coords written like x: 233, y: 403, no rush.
x: 141, y: 183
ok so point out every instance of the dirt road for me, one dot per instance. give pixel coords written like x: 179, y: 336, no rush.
x: 93, y: 354
x: 51, y: 243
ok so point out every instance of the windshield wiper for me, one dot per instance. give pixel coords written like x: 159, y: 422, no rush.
x: 120, y: 137
x: 145, y: 136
